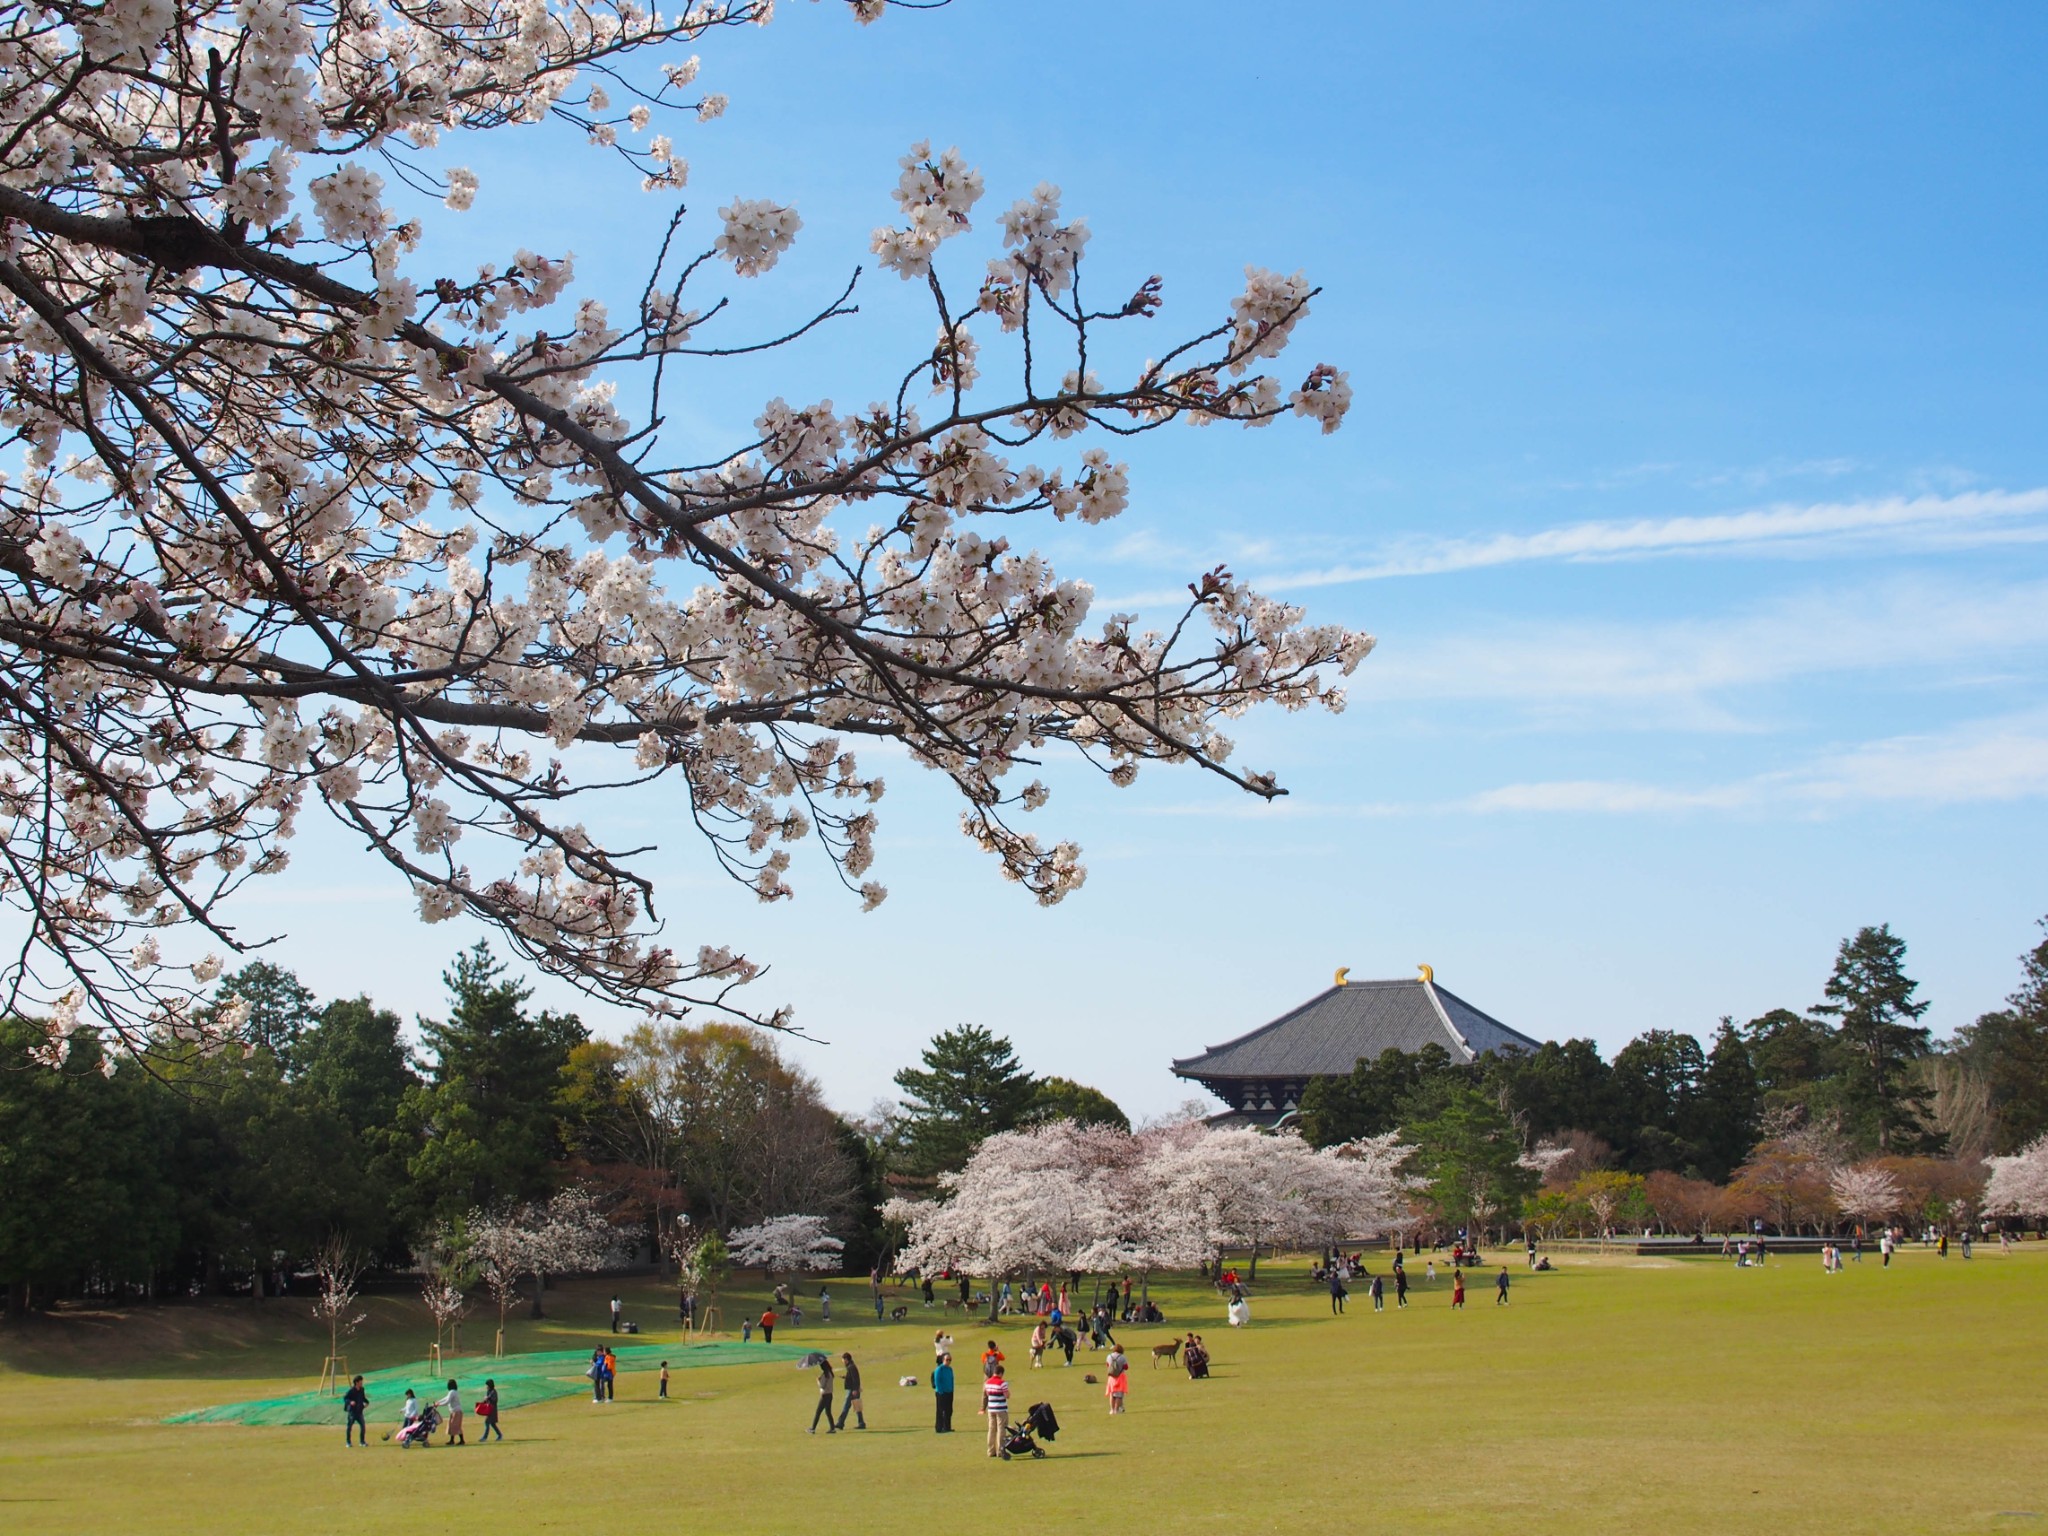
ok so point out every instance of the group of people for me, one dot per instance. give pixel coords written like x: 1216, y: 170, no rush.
x: 849, y: 1377
x: 418, y: 1420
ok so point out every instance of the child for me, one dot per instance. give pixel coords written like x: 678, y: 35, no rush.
x: 1429, y: 1271
x: 1458, y: 1290
x: 1119, y: 1384
x: 661, y: 1390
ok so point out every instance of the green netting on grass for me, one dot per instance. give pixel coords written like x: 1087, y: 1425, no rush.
x: 521, y: 1379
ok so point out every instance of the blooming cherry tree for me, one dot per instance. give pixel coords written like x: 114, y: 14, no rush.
x: 784, y: 1245
x: 2019, y: 1184
x: 297, y: 518
x: 1867, y: 1191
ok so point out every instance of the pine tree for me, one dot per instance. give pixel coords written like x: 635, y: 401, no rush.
x: 1729, y: 1107
x: 1872, y: 999
x: 486, y: 1125
x: 970, y: 1087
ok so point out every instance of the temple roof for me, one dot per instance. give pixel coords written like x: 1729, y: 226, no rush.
x: 1328, y: 1034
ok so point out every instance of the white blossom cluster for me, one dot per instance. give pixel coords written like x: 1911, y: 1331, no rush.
x: 1067, y: 1196
x: 290, y: 517
x: 2018, y: 1185
x: 785, y: 1245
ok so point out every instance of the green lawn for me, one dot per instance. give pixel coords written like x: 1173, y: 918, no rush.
x: 1614, y: 1395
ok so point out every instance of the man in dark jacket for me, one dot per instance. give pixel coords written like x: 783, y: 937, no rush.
x: 852, y: 1404
x: 942, y: 1395
x: 355, y: 1402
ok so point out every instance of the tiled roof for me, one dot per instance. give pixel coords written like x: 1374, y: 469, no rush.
x: 1328, y: 1034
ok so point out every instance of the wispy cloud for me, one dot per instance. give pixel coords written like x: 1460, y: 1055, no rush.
x: 1778, y: 528
x: 1982, y: 762
x: 1684, y: 671
x: 1991, y: 761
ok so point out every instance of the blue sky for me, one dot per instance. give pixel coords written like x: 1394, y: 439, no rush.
x: 1696, y: 487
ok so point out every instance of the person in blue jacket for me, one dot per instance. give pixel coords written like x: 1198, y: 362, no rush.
x: 942, y: 1394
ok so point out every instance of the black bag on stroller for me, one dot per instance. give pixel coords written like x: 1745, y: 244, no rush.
x: 1038, y: 1421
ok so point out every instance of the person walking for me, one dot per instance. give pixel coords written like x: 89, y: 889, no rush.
x: 1500, y: 1287
x: 768, y: 1326
x: 824, y: 1408
x: 1039, y: 1340
x: 453, y: 1404
x: 1941, y: 1247
x: 1400, y: 1286
x: 616, y: 1310
x: 1429, y: 1272
x: 489, y: 1413
x: 942, y: 1396
x: 1379, y: 1293
x: 851, y: 1377
x: 926, y: 1286
x: 1337, y: 1291
x: 995, y: 1405
x: 1884, y: 1248
x: 966, y: 1290
x: 355, y: 1406
x: 1457, y: 1290
x: 1966, y: 1242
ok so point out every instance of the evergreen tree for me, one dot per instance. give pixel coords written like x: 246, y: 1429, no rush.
x: 484, y: 1127
x: 1556, y: 1087
x: 969, y: 1088
x: 1061, y: 1098
x: 1375, y: 1095
x: 1656, y: 1079
x: 355, y: 1058
x: 1728, y: 1109
x: 2009, y: 1051
x: 355, y: 1062
x: 1797, y: 1061
x: 1872, y: 999
x: 1468, y: 1155
x: 281, y: 1007
x: 85, y: 1192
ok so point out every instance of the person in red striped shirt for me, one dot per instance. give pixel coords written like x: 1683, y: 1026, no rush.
x: 995, y: 1404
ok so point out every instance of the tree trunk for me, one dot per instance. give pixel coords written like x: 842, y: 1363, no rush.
x: 540, y: 1284
x: 1252, y: 1273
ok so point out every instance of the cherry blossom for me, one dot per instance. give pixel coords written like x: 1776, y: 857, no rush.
x: 2019, y: 1184
x: 783, y: 1245
x: 293, y: 519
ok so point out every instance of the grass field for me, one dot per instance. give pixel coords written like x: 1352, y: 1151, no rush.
x: 1616, y: 1394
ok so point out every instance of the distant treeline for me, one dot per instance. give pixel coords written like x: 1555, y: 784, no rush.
x: 1857, y: 1062
x: 183, y: 1171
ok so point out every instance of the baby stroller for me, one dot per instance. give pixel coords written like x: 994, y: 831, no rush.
x: 1038, y: 1421
x: 421, y: 1430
